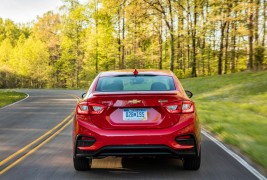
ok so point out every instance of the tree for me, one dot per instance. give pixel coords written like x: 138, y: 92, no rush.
x: 166, y: 9
x: 190, y: 37
x: 250, y: 36
x: 47, y: 29
x: 264, y: 3
x: 5, y: 58
x: 73, y: 33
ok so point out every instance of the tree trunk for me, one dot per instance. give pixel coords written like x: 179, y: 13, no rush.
x: 223, y: 24
x: 250, y: 36
x: 264, y: 22
x: 226, y: 64
x: 172, y: 51
x: 256, y: 27
x: 194, y: 64
x: 180, y: 38
x: 233, y: 47
x: 123, y: 37
x: 170, y: 26
x: 188, y: 38
x: 203, y: 45
x: 209, y: 68
x: 96, y: 31
x: 160, y: 44
x: 119, y: 38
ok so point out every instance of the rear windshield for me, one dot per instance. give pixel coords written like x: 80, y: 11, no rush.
x: 135, y: 83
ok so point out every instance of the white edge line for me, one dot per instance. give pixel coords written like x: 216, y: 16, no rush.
x: 235, y: 156
x: 16, y: 102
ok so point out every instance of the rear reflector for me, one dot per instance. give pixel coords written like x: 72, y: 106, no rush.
x: 85, y: 141
x: 86, y: 138
x: 184, y: 137
x: 185, y: 140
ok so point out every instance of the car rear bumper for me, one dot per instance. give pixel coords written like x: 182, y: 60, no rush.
x: 136, y: 150
x: 150, y: 142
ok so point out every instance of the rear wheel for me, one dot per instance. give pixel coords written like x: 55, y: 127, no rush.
x: 82, y: 164
x: 192, y: 163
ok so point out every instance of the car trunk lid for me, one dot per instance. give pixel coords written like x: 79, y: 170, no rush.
x: 135, y: 110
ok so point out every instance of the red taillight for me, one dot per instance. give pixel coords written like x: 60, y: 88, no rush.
x: 188, y: 107
x: 82, y: 108
x: 180, y: 107
x: 175, y: 107
x: 90, y: 108
x: 96, y: 108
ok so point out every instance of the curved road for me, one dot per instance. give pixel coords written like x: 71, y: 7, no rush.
x: 26, y: 121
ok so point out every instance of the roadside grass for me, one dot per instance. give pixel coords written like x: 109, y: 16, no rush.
x: 8, y: 97
x: 234, y: 108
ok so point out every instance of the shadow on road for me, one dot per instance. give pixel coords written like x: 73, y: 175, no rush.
x: 151, y: 168
x: 151, y: 164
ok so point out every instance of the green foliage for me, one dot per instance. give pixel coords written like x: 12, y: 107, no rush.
x: 259, y: 56
x: 234, y: 108
x: 69, y: 48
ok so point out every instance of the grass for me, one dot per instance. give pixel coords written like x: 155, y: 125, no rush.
x: 234, y: 108
x: 8, y: 97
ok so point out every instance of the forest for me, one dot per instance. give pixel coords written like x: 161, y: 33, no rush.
x: 68, y: 48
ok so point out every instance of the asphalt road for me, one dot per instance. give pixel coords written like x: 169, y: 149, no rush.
x: 22, y: 123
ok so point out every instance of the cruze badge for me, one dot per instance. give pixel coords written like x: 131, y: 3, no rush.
x: 134, y: 101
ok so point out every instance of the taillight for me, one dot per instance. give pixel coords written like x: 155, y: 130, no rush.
x: 180, y: 107
x: 90, y: 108
x: 82, y: 108
x: 188, y: 107
x: 96, y: 108
x: 175, y: 107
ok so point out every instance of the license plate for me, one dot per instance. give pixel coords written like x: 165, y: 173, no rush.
x: 134, y: 114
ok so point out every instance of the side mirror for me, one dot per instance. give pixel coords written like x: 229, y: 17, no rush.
x: 83, y: 95
x: 189, y: 93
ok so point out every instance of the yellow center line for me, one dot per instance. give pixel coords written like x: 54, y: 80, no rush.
x: 35, y: 149
x: 39, y: 139
x: 35, y: 141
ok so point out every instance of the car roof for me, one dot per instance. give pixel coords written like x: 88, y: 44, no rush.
x: 140, y: 71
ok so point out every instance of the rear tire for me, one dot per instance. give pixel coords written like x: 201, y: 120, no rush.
x: 82, y: 164
x: 192, y: 163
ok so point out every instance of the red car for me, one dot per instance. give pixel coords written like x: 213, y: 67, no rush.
x: 136, y: 113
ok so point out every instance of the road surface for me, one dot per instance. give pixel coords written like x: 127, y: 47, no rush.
x: 43, y: 149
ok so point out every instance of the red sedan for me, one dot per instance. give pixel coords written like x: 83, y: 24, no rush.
x: 136, y: 113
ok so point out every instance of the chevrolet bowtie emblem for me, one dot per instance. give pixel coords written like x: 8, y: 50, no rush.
x: 134, y: 101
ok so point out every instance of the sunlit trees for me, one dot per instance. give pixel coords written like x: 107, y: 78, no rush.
x: 5, y: 60
x: 190, y: 37
x: 47, y: 29
x: 72, y: 37
x: 101, y: 48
